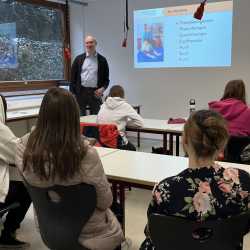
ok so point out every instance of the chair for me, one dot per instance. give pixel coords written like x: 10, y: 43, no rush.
x: 107, y: 135
x: 6, y: 209
x: 61, y: 221
x: 176, y: 233
x: 235, y: 147
x: 90, y: 130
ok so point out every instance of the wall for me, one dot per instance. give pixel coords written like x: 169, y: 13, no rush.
x: 165, y: 93
x: 77, y: 28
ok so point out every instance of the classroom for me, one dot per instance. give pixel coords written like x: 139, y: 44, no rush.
x: 132, y: 115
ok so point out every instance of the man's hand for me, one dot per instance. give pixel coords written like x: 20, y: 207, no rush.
x: 99, y: 92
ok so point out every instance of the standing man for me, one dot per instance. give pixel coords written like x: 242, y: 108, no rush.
x: 89, y: 77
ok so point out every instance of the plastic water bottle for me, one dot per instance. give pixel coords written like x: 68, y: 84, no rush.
x: 191, y: 106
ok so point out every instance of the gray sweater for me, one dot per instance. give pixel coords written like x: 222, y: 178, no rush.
x: 102, y: 231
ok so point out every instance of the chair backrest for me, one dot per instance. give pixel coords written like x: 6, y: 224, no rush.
x: 107, y: 135
x: 62, y: 220
x: 176, y: 233
x: 5, y: 209
x: 235, y: 147
x: 90, y: 130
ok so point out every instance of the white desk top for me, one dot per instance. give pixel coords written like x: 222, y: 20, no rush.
x: 22, y: 114
x: 105, y: 151
x: 147, y: 169
x: 162, y: 125
x: 149, y: 124
x: 24, y: 102
x: 142, y: 168
x: 89, y: 118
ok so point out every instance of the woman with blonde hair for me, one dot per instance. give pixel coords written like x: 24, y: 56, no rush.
x: 205, y: 190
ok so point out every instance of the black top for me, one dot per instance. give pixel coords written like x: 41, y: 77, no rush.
x: 201, y: 194
x: 102, y: 75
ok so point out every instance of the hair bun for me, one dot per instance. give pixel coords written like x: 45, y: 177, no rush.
x: 207, y: 132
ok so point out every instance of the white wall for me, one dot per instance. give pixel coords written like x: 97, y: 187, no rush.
x: 165, y: 92
x: 77, y: 29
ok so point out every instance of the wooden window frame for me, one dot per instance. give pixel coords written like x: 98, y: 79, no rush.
x: 9, y: 86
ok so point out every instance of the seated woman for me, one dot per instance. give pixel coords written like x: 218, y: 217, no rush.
x: 116, y: 110
x: 12, y: 188
x: 54, y: 153
x: 234, y: 109
x: 205, y: 190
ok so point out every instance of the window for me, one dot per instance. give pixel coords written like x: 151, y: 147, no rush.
x: 32, y: 40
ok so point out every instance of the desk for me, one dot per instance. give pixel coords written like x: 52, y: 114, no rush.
x: 17, y: 115
x: 154, y: 126
x: 102, y: 152
x: 89, y: 119
x: 144, y: 170
x: 25, y: 114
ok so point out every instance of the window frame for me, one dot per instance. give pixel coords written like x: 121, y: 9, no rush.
x: 9, y: 86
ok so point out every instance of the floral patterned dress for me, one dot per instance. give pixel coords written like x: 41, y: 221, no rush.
x: 201, y: 194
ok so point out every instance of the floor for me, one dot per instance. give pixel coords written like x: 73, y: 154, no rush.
x: 137, y: 202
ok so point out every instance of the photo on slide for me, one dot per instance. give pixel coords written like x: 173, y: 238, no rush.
x: 150, y: 43
x: 8, y: 47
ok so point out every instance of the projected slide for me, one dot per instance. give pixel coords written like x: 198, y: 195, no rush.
x: 171, y: 37
x: 8, y: 47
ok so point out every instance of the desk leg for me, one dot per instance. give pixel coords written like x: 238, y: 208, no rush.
x: 114, y: 191
x: 118, y: 190
x: 177, y: 145
x: 138, y: 133
x: 28, y: 125
x: 165, y: 142
x: 138, y: 139
x: 122, y: 203
x: 171, y: 144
